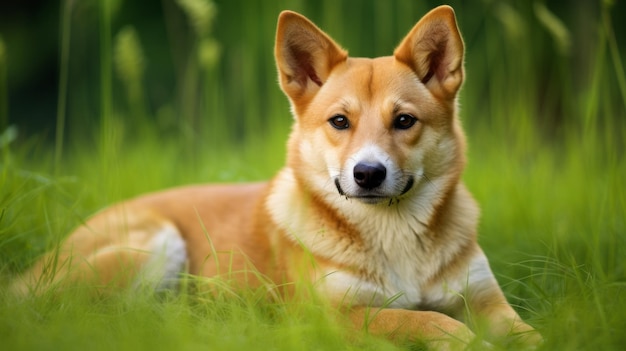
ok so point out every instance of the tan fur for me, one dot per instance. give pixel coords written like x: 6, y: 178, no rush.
x: 395, y: 249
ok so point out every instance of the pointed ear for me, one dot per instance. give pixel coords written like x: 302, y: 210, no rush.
x: 305, y: 56
x: 434, y: 50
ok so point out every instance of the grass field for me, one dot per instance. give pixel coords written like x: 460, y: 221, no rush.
x: 546, y: 162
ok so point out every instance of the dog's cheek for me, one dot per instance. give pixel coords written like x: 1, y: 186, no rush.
x: 410, y: 149
x: 319, y: 156
x: 414, y: 161
x: 440, y: 155
x: 331, y: 155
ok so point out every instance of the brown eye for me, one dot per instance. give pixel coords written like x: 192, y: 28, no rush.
x: 339, y: 122
x: 404, y: 121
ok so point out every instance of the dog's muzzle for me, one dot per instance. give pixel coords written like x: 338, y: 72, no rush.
x: 369, y: 177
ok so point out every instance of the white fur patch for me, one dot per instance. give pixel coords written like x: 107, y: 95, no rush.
x: 448, y: 292
x: 349, y: 289
x: 168, y: 255
x: 479, y: 271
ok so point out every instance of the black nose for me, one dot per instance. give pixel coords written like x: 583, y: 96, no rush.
x: 369, y: 175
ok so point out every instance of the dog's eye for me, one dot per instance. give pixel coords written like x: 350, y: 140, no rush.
x: 404, y: 121
x: 339, y: 122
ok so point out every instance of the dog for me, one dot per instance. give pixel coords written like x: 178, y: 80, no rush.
x: 369, y: 209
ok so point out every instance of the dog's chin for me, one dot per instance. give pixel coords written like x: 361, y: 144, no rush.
x: 372, y: 200
x: 373, y: 196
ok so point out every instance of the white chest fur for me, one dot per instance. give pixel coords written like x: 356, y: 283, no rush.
x: 398, y: 266
x: 394, y: 265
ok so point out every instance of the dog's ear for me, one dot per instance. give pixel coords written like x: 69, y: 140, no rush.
x: 305, y: 56
x: 434, y: 50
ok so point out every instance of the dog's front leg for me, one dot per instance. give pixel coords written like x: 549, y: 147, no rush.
x: 438, y: 331
x: 491, y: 313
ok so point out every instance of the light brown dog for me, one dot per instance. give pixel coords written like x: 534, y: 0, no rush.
x: 369, y: 209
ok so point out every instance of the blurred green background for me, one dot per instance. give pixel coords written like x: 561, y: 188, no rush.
x: 543, y: 50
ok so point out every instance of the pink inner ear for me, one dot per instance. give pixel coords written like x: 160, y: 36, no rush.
x: 436, y: 64
x: 310, y: 71
x: 303, y: 68
x: 428, y: 75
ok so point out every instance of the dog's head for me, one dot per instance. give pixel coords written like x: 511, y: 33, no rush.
x: 377, y: 129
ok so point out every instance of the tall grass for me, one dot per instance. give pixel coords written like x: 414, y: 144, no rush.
x: 546, y: 135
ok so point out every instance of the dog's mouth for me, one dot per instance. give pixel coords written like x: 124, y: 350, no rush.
x: 375, y: 195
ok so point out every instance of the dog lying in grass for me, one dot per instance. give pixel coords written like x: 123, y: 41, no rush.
x: 369, y: 208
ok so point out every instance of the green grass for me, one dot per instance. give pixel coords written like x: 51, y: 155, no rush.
x: 546, y: 163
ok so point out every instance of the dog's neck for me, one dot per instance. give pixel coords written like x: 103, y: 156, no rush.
x: 412, y: 218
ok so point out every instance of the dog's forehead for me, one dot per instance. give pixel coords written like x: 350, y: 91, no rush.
x: 375, y: 79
